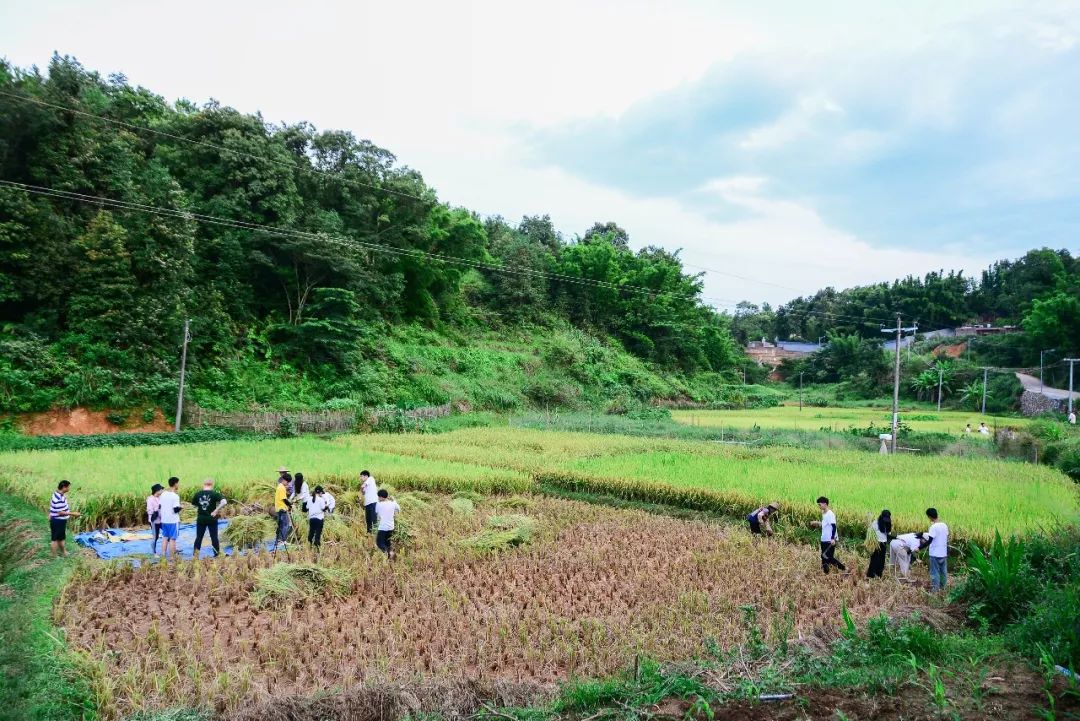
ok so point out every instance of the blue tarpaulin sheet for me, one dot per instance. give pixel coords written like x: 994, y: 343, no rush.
x: 112, y: 543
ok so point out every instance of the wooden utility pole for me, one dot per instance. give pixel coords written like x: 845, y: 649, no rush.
x: 940, y: 377
x: 896, y: 388
x: 183, y: 369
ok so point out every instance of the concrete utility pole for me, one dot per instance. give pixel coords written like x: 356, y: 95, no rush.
x: 800, y: 390
x: 985, y: 371
x: 1070, y: 361
x: 940, y: 377
x: 900, y: 329
x: 1042, y: 386
x: 183, y: 368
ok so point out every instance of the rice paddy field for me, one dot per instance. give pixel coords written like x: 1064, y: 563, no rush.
x: 839, y: 419
x: 976, y: 496
x: 583, y: 594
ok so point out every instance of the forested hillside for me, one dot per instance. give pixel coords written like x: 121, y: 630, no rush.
x: 1040, y: 291
x: 314, y: 268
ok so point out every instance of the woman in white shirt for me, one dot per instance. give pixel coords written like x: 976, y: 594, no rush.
x: 317, y: 508
x: 902, y: 549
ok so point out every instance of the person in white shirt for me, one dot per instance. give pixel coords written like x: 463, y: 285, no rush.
x: 170, y: 516
x: 938, y: 539
x: 317, y: 508
x: 1072, y: 418
x: 829, y: 537
x: 331, y: 502
x: 984, y: 429
x: 902, y: 550
x: 371, y: 496
x: 386, y: 510
x: 301, y: 492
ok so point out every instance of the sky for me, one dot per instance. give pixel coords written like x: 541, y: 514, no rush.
x: 782, y: 146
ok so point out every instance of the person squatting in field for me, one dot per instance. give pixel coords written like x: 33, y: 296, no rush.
x: 59, y: 513
x: 371, y: 496
x: 208, y: 504
x: 386, y: 509
x: 153, y: 514
x: 759, y: 519
x: 902, y: 550
x: 170, y: 516
x: 828, y: 536
x: 882, y: 529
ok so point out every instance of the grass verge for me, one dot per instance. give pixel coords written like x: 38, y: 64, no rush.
x: 40, y: 681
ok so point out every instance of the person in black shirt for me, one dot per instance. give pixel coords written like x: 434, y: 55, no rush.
x: 208, y: 504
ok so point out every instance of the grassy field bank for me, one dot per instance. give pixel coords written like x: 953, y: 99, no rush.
x: 839, y: 419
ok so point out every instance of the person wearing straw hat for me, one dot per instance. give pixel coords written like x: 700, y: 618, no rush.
x: 283, y: 472
x: 759, y: 519
x: 208, y: 504
x: 281, y: 510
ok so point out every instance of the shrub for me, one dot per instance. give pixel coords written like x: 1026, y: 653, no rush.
x: 19, y: 442
x: 1052, y: 623
x: 999, y: 584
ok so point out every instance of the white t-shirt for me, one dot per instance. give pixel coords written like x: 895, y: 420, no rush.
x: 881, y: 537
x: 386, y: 510
x: 939, y: 546
x: 317, y: 507
x: 984, y: 430
x: 371, y: 491
x: 169, y: 501
x: 910, y: 540
x: 828, y: 526
x: 303, y: 495
x: 331, y: 502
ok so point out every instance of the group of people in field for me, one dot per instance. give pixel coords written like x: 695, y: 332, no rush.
x: 899, y: 549
x: 163, y: 507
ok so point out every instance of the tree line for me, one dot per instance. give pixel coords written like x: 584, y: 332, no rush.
x: 298, y: 242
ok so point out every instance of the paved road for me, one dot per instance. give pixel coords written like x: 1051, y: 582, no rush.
x: 1031, y: 383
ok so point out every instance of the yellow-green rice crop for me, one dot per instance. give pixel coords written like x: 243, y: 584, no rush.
x: 975, y: 497
x: 110, y: 483
x: 840, y: 419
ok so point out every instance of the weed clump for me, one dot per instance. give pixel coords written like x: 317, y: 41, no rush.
x: 462, y: 506
x: 248, y: 531
x: 285, y: 584
x: 502, y: 532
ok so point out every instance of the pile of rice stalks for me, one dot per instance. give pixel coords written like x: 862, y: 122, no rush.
x: 462, y: 506
x: 471, y: 495
x: 249, y: 531
x: 412, y: 501
x: 513, y: 502
x: 502, y: 532
x: 285, y: 584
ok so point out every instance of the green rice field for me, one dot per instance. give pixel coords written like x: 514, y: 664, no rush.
x: 976, y: 496
x: 839, y: 419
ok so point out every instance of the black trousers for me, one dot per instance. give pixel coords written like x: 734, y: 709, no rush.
x: 827, y: 559
x: 202, y: 527
x: 156, y: 528
x: 369, y: 516
x: 314, y: 531
x: 877, y: 561
x: 382, y: 541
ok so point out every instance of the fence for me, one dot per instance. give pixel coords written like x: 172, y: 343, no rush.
x: 306, y: 421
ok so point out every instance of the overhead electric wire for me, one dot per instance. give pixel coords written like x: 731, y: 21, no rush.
x: 363, y: 245
x: 300, y: 168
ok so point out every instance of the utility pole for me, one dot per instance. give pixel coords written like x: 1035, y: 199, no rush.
x: 1070, y: 361
x: 1042, y: 386
x: 800, y: 390
x: 896, y: 381
x: 985, y: 371
x: 183, y: 368
x: 940, y: 377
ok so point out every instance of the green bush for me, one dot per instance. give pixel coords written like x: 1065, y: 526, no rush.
x: 1052, y: 623
x: 999, y: 584
x: 19, y: 442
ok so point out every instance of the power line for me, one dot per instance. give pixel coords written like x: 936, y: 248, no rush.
x: 354, y: 243
x: 300, y: 168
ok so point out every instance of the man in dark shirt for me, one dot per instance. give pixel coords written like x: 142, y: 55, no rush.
x: 208, y: 503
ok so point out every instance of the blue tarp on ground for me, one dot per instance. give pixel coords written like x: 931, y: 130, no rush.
x: 113, y: 543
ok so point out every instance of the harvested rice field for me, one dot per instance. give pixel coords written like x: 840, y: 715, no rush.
x: 583, y: 593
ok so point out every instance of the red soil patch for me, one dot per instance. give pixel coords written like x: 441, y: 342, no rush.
x: 950, y: 351
x: 84, y: 422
